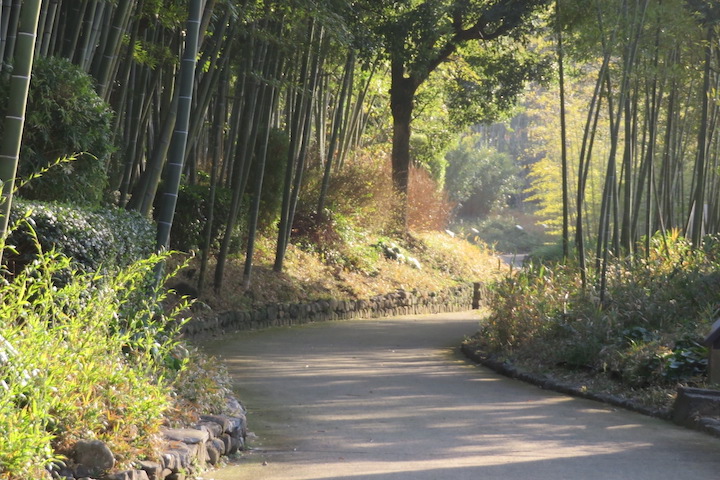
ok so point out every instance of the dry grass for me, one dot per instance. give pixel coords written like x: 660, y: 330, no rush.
x: 307, y: 276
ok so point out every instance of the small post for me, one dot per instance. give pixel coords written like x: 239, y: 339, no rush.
x: 478, y: 288
x: 713, y: 342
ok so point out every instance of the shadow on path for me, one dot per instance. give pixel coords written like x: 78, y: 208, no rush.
x: 392, y: 399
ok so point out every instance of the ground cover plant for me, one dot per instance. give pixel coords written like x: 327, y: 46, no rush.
x: 645, y: 337
x: 92, y: 357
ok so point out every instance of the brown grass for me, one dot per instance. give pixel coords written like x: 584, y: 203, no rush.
x: 445, y: 261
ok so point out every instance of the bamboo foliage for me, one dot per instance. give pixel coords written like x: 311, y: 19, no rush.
x: 270, y: 58
x: 657, y: 98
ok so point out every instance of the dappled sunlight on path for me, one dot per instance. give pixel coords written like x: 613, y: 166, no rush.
x: 390, y: 399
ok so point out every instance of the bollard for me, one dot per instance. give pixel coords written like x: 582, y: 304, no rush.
x: 478, y: 295
x: 713, y: 343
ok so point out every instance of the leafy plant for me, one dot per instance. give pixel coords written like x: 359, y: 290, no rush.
x: 688, y: 360
x: 644, y: 334
x: 88, y: 359
x: 191, y: 216
x: 65, y: 116
x: 91, y: 237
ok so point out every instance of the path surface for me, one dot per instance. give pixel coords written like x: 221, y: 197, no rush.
x: 393, y: 399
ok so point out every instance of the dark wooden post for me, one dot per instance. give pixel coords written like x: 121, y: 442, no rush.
x: 713, y: 343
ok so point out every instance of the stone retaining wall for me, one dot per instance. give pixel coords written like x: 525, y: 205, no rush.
x: 187, y: 452
x: 400, y: 302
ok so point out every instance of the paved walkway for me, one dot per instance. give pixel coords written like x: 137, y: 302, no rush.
x: 392, y: 399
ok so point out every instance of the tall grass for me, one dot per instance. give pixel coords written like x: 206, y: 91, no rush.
x: 85, y: 358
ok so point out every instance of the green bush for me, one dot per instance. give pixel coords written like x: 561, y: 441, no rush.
x: 647, y: 331
x: 88, y: 360
x: 92, y: 238
x: 65, y: 117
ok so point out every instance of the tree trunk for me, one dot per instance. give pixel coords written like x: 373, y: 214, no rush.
x: 697, y: 229
x: 335, y: 134
x: 563, y: 139
x: 402, y: 94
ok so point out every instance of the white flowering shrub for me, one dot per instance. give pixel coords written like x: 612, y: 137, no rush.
x: 93, y: 238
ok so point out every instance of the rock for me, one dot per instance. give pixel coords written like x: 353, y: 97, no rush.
x: 177, y: 457
x: 215, y: 450
x: 128, y: 475
x: 227, y: 443
x: 153, y: 469
x: 221, y: 420
x: 234, y: 407
x: 189, y: 436
x: 93, y: 458
x: 213, y: 429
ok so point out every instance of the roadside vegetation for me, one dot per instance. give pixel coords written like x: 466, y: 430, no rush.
x: 90, y: 349
x: 642, y: 340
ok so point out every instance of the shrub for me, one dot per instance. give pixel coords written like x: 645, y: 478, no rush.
x: 90, y: 237
x: 83, y: 361
x: 360, y: 192
x: 360, y: 203
x: 65, y: 117
x: 428, y: 206
x: 657, y: 308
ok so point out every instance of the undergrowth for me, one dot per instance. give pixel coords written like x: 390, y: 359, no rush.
x: 647, y: 333
x: 343, y: 251
x: 91, y: 357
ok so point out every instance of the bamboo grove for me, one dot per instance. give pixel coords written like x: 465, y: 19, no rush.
x: 260, y: 66
x: 642, y: 112
x: 655, y: 93
x: 200, y: 90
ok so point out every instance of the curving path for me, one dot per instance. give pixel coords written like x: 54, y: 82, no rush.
x: 392, y: 399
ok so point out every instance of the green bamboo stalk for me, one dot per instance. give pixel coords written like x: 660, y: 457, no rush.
x: 334, y: 135
x: 94, y: 20
x: 179, y: 139
x: 107, y: 65
x: 78, y: 13
x: 15, y: 117
x: 11, y: 36
x: 563, y: 138
x: 4, y: 24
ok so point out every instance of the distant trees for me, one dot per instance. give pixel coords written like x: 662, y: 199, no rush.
x: 418, y: 37
x: 479, y: 177
x: 642, y: 122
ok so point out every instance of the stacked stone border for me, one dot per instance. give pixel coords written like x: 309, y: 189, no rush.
x: 400, y: 302
x: 186, y: 453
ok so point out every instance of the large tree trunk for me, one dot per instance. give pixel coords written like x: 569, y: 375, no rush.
x: 402, y: 93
